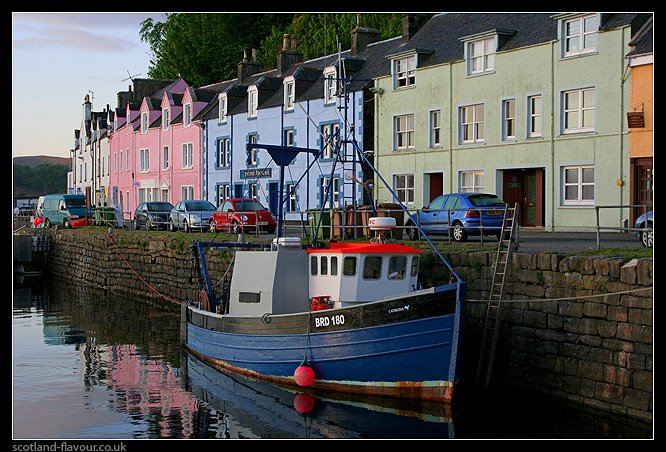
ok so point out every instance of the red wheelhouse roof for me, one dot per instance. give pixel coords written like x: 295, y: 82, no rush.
x: 367, y: 248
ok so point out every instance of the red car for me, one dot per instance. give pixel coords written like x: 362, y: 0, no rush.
x: 242, y: 215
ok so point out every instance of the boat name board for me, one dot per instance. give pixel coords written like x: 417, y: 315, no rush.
x: 400, y: 309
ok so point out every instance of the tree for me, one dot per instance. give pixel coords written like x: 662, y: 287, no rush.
x: 205, y: 48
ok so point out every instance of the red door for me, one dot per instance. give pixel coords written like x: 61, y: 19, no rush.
x: 436, y: 185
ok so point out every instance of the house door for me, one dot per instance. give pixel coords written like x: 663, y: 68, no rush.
x: 525, y: 187
x: 436, y: 182
x: 273, y: 198
x: 643, y: 183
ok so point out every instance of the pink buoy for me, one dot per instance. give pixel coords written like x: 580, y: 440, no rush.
x: 304, y: 402
x: 304, y: 375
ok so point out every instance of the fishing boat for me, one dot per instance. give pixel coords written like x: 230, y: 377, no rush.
x: 346, y: 317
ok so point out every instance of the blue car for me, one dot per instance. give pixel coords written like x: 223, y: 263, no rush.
x: 645, y: 229
x: 462, y: 213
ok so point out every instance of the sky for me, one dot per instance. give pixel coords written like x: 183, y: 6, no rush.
x: 58, y: 58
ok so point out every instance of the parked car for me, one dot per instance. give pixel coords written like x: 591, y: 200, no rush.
x: 152, y: 214
x: 646, y: 224
x: 242, y: 215
x: 462, y: 213
x: 191, y: 214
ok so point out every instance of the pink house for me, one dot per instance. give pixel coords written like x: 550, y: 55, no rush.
x: 156, y: 147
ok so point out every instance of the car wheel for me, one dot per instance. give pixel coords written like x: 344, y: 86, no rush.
x: 458, y: 233
x: 47, y: 223
x: 235, y: 227
x: 211, y: 226
x: 412, y: 231
x: 647, y: 236
x: 136, y: 224
x: 186, y: 226
x: 172, y: 227
x: 66, y: 223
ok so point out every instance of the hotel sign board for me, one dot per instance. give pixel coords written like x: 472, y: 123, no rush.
x: 255, y: 173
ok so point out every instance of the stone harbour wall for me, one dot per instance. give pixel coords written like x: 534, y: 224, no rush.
x: 575, y: 327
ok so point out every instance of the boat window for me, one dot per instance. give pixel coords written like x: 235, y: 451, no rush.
x: 372, y: 267
x: 397, y: 267
x: 334, y: 265
x: 415, y: 266
x: 324, y: 265
x: 313, y: 265
x: 349, y: 266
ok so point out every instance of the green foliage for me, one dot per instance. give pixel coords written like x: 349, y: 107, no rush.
x: 39, y: 180
x: 205, y: 48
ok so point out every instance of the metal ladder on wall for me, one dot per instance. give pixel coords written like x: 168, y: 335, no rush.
x: 492, y: 320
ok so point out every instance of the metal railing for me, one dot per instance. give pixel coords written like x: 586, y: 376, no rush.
x: 645, y: 208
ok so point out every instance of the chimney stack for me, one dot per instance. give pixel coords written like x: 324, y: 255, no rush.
x: 411, y: 24
x: 246, y: 68
x: 289, y: 55
x: 362, y: 36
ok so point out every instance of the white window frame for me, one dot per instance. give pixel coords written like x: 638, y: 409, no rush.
x: 252, y: 101
x: 224, y: 152
x: 476, y: 124
x: 404, y: 72
x: 291, y: 192
x: 508, y: 120
x: 127, y: 160
x: 121, y: 161
x: 288, y: 137
x: 435, y: 128
x: 403, y: 132
x: 187, y: 115
x: 289, y: 93
x: 485, y: 49
x: 330, y: 85
x: 478, y: 181
x: 165, y: 157
x: 403, y: 185
x: 166, y: 118
x: 223, y: 193
x: 222, y: 107
x: 144, y: 160
x: 328, y: 146
x: 144, y: 122
x: 579, y: 110
x: 252, y: 191
x: 254, y: 160
x: 333, y: 193
x: 187, y: 160
x: 579, y: 184
x: 186, y: 192
x: 588, y: 27
x: 534, y: 117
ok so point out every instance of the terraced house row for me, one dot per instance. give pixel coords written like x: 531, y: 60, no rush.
x: 552, y: 111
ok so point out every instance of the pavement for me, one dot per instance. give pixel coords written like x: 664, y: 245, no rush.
x: 535, y: 240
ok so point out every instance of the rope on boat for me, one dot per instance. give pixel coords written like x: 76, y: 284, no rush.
x: 111, y: 239
x: 607, y: 294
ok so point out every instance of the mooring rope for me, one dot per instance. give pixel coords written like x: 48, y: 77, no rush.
x: 111, y: 238
x: 564, y: 298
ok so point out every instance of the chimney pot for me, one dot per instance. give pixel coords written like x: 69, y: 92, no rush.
x: 285, y: 42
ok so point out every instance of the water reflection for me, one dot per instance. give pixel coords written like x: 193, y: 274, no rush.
x: 89, y: 364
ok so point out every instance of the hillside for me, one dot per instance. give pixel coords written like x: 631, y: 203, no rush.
x: 39, y: 175
x: 39, y: 159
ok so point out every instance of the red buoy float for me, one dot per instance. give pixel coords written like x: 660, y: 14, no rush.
x: 304, y: 374
x: 304, y: 402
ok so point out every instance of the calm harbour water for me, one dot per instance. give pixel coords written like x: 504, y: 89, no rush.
x: 87, y: 364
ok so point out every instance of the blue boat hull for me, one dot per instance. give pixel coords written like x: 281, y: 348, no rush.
x: 405, y: 347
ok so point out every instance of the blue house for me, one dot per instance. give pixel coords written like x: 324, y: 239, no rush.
x: 301, y: 104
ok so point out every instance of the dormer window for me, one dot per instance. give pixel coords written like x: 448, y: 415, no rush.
x: 144, y: 122
x: 404, y: 72
x: 166, y: 113
x: 481, y: 56
x: 252, y: 101
x: 187, y: 115
x: 579, y: 35
x: 330, y: 85
x: 289, y: 93
x: 222, y: 100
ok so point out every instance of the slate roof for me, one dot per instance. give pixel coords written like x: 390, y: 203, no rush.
x: 643, y: 41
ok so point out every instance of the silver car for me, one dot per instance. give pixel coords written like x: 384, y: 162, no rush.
x: 191, y: 214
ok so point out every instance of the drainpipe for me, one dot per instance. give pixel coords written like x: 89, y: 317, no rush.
x: 621, y: 131
x: 450, y: 128
x: 553, y: 171
x: 203, y: 170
